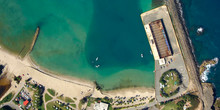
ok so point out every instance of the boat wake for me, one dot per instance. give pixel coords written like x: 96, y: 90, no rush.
x: 204, y: 75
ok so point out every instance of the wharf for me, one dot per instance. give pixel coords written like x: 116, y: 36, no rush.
x: 175, y: 61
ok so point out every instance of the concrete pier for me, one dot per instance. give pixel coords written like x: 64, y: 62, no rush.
x: 175, y: 61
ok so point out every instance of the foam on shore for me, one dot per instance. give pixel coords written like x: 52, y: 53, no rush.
x: 204, y: 75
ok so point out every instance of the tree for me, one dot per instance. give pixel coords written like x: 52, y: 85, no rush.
x: 180, y: 104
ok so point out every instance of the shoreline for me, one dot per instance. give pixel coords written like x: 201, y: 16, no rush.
x: 176, y: 14
x: 56, y: 75
x: 62, y: 83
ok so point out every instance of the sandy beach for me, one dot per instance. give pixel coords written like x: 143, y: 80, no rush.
x: 65, y: 85
x: 61, y: 85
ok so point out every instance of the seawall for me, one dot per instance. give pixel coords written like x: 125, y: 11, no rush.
x: 176, y: 15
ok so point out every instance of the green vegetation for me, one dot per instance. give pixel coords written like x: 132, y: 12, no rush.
x: 7, y: 98
x: 217, y: 104
x: 171, y: 79
x: 171, y: 106
x: 74, y: 98
x: 136, y: 105
x: 37, y: 98
x: 69, y: 100
x: 66, y: 99
x: 98, y: 86
x: 59, y: 105
x: 49, y: 106
x: 91, y: 100
x: 47, y: 97
x: 80, y: 105
x: 51, y: 91
x: 7, y: 108
x: 179, y: 103
x: 151, y: 100
x: 17, y: 79
x: 73, y: 105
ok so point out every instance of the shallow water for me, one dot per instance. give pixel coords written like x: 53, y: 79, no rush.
x: 75, y: 32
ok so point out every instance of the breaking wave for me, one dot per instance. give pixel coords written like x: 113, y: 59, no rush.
x: 204, y: 75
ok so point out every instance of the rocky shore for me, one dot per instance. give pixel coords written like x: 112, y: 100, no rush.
x: 204, y: 64
x: 176, y: 15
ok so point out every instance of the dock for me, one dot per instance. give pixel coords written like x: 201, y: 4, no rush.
x: 165, y: 48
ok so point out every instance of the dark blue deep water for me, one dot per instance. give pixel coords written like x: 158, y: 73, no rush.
x: 205, y: 13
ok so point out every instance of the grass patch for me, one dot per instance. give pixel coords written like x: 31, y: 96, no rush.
x: 60, y: 107
x: 41, y: 107
x: 73, y: 105
x: 171, y: 80
x: 7, y: 98
x: 74, y: 98
x: 51, y: 91
x: 151, y: 100
x: 179, y: 103
x: 50, y: 106
x: 66, y: 99
x: 47, y: 97
x: 194, y: 103
x: 80, y: 105
x: 170, y: 106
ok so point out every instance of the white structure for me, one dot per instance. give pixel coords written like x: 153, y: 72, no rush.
x: 100, y: 106
x: 200, y: 30
x: 162, y: 61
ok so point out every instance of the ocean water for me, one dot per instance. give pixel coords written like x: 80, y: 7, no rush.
x: 77, y: 36
x: 203, y: 13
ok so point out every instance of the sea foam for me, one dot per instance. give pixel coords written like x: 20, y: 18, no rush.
x: 204, y: 75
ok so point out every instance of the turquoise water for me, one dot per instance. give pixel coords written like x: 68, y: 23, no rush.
x: 75, y: 32
x: 207, y: 46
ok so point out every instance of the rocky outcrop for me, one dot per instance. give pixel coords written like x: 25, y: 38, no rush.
x: 208, y: 95
x: 204, y: 64
x: 217, y: 104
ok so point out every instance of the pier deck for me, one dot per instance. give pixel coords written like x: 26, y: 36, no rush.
x: 175, y: 60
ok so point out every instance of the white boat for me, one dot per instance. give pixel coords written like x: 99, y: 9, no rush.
x: 142, y: 55
x: 200, y: 30
x: 150, y: 52
x: 97, y: 66
x: 97, y: 58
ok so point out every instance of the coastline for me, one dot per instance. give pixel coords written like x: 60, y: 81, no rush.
x: 186, y: 47
x: 56, y: 75
x: 67, y: 85
x: 182, y: 37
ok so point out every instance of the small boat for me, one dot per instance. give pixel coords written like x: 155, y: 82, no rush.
x: 200, y: 30
x: 150, y: 52
x: 97, y: 66
x: 142, y: 55
x: 97, y: 58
